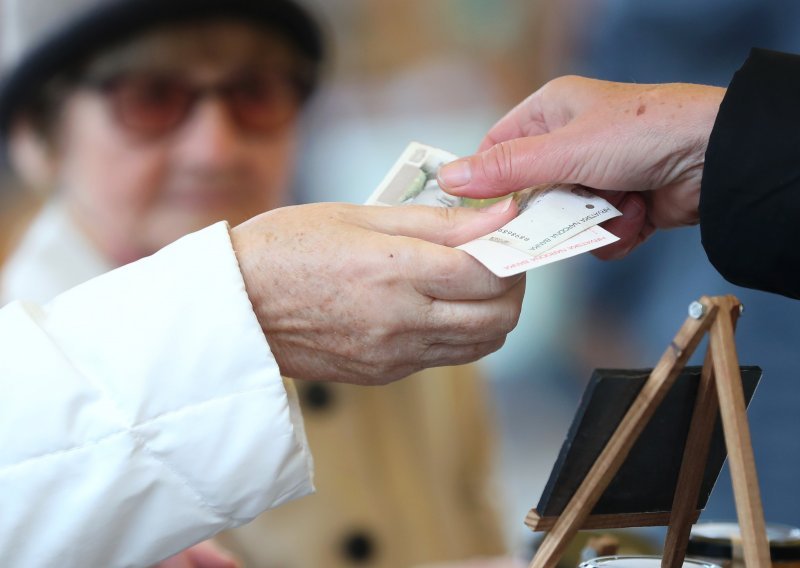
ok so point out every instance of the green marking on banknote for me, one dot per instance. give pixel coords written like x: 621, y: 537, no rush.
x: 415, y: 187
x: 480, y: 203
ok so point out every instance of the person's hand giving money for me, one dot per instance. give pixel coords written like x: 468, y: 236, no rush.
x: 606, y: 136
x: 554, y: 221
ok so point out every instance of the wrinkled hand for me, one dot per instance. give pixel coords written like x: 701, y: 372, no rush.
x: 369, y: 295
x: 204, y: 555
x: 607, y: 136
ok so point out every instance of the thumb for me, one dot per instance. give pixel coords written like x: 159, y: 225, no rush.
x: 512, y: 165
x: 441, y: 225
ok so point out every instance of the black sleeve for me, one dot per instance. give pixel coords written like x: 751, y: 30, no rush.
x: 750, y: 193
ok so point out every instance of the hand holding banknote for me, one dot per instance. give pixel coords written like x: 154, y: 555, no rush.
x: 370, y: 295
x: 554, y: 222
x: 606, y: 136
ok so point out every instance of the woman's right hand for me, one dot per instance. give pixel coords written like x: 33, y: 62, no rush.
x: 612, y: 137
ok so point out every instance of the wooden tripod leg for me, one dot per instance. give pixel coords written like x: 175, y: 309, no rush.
x: 695, y: 454
x: 740, y: 449
x: 620, y: 444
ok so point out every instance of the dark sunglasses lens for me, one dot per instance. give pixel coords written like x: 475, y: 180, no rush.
x: 263, y: 101
x: 151, y: 105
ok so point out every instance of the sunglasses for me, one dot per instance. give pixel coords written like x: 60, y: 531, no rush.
x: 153, y: 105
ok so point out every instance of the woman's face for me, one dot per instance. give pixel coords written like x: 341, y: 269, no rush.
x: 136, y: 174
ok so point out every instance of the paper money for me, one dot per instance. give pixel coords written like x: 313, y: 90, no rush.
x: 555, y: 221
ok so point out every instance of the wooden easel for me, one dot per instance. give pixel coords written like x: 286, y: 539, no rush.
x: 720, y: 389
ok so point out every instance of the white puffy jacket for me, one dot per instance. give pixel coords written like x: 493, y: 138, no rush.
x: 141, y: 412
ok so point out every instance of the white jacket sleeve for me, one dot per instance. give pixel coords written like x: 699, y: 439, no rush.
x: 142, y: 412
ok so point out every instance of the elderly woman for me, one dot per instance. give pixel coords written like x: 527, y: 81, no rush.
x: 159, y: 118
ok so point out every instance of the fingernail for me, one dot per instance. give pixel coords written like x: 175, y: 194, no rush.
x: 499, y: 207
x: 455, y: 174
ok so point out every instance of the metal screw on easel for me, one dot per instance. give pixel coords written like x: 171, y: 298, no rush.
x: 696, y: 310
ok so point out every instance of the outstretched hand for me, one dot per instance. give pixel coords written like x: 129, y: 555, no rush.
x: 625, y: 139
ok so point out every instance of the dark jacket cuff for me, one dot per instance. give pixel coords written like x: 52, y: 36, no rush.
x: 750, y: 193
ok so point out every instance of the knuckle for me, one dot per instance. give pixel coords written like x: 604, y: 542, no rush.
x: 505, y: 321
x: 378, y: 371
x: 555, y: 84
x: 387, y: 353
x: 512, y: 320
x: 510, y: 288
x: 385, y: 376
x: 570, y: 82
x: 369, y: 345
x: 498, y: 286
x: 496, y: 345
x: 488, y: 347
x: 573, y: 80
x: 554, y: 87
x: 497, y: 165
x: 447, y: 217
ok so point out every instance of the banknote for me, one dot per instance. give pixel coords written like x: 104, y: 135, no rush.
x: 555, y: 221
x: 507, y: 261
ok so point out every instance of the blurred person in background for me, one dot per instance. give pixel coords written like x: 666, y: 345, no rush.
x: 172, y: 116
x: 17, y: 206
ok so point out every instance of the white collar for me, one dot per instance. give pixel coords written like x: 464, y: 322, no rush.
x: 52, y: 256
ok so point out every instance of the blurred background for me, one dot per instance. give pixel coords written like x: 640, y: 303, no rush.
x: 442, y: 72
